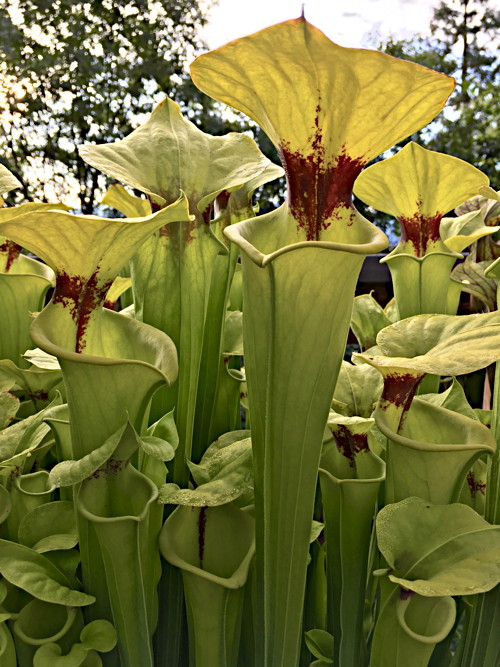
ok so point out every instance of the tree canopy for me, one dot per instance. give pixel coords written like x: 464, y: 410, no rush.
x: 464, y: 42
x: 77, y: 72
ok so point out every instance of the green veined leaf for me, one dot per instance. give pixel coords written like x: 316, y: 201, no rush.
x: 439, y: 550
x: 36, y: 575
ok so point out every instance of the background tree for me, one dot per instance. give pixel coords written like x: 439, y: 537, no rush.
x: 464, y: 42
x: 75, y: 72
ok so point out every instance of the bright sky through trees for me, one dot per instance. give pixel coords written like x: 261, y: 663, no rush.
x: 354, y: 23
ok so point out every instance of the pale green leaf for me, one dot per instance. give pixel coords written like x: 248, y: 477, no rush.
x: 358, y: 388
x: 367, y: 319
x: 472, y: 279
x: 8, y: 181
x: 439, y: 344
x: 320, y: 643
x: 118, y: 287
x: 36, y: 575
x: 49, y: 527
x: 62, y: 542
x: 42, y: 359
x: 17, y: 442
x: 68, y: 473
x: 36, y: 382
x: 210, y: 494
x: 418, y: 185
x: 9, y: 405
x: 439, y: 550
x: 99, y: 635
x: 165, y: 429
x: 233, y: 333
x: 223, y: 451
x: 157, y: 158
x: 490, y: 193
x: 316, y: 530
x: 452, y: 398
x: 131, y: 206
x: 224, y: 474
x: 50, y: 655
x: 157, y: 448
x: 233, y: 482
x: 391, y: 311
x: 459, y: 233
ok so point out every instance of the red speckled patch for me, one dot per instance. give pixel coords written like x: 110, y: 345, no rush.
x: 474, y: 486
x: 15, y: 471
x: 172, y: 230
x: 111, y: 467
x: 12, y: 251
x: 221, y: 209
x: 82, y: 297
x: 316, y: 189
x: 420, y: 230
x: 405, y: 594
x: 349, y: 444
x: 399, y: 390
x: 179, y: 234
x: 154, y: 206
x: 202, y: 524
x: 222, y: 200
x: 207, y: 215
x: 37, y: 396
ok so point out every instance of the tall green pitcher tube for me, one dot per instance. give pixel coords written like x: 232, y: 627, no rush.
x: 329, y: 111
x: 111, y: 366
x: 349, y: 489
x: 214, y: 548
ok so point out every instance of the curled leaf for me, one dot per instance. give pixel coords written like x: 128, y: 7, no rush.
x: 166, y: 429
x: 439, y: 344
x: 68, y: 473
x: 224, y: 474
x: 157, y: 448
x: 36, y: 575
x: 439, y: 550
x: 367, y: 319
x: 473, y: 280
x: 459, y: 233
x: 49, y: 527
x: 99, y: 635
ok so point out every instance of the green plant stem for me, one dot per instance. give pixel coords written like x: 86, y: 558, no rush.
x: 429, y: 384
x: 208, y: 425
x: 482, y: 639
x: 170, y: 639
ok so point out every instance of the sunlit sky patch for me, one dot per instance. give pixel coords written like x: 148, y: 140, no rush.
x: 356, y: 23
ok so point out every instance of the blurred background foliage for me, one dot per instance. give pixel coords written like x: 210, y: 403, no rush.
x: 78, y: 72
